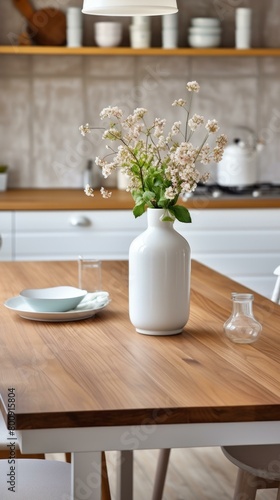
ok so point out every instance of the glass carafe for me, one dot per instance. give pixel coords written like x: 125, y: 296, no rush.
x: 242, y: 327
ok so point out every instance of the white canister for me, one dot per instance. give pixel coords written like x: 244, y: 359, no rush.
x: 243, y: 17
x: 74, y: 17
x: 74, y: 37
x: 140, y: 38
x: 243, y: 28
x: 142, y: 21
x: 170, y: 21
x: 169, y: 38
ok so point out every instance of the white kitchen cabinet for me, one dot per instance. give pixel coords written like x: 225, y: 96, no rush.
x: 243, y: 244
x: 6, y: 235
x: 64, y: 235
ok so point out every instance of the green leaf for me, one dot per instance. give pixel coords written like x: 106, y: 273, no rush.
x: 138, y: 197
x: 181, y: 213
x: 148, y: 195
x: 139, y: 210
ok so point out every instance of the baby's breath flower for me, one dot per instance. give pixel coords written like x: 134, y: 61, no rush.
x: 88, y: 190
x: 162, y: 143
x: 110, y: 112
x: 179, y: 102
x: 84, y: 129
x: 113, y: 134
x: 105, y: 193
x: 218, y: 153
x: 158, y: 127
x: 175, y: 129
x: 195, y: 122
x: 107, y: 169
x: 170, y: 193
x: 205, y: 154
x: 212, y: 126
x: 222, y: 140
x: 193, y: 86
x: 100, y: 162
x: 140, y: 112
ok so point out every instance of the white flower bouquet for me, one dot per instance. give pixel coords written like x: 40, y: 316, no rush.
x: 160, y: 167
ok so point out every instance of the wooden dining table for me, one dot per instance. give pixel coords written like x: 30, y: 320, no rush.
x: 96, y: 384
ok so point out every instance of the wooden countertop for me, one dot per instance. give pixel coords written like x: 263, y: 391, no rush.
x: 99, y: 371
x: 75, y: 199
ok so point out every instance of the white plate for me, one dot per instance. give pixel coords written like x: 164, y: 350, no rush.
x: 88, y: 307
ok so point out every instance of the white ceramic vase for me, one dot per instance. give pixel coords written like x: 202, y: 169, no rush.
x: 159, y: 278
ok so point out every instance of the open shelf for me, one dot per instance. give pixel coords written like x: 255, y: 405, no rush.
x: 128, y: 51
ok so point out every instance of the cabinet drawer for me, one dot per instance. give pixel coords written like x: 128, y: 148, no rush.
x: 67, y: 221
x: 66, y: 235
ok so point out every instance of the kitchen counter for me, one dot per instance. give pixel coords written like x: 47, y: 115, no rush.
x: 75, y: 199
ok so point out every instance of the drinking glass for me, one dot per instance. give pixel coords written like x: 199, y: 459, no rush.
x: 89, y: 274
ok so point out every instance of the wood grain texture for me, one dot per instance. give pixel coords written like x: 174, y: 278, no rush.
x: 153, y: 51
x: 75, y: 199
x: 101, y: 372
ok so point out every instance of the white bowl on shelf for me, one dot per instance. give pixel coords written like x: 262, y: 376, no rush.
x: 204, y: 41
x: 108, y: 34
x: 211, y: 22
x: 54, y: 299
x: 196, y: 30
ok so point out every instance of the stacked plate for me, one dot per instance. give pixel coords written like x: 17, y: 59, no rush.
x: 61, y: 303
x: 204, y: 32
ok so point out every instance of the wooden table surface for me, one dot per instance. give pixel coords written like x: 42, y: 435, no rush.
x: 100, y: 372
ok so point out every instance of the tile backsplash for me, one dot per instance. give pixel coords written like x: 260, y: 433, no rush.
x: 44, y: 99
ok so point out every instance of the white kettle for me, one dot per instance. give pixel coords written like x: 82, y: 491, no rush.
x: 238, y: 167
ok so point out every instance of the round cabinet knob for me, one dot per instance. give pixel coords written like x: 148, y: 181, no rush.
x: 80, y: 221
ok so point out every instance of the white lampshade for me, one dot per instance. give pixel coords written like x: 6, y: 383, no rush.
x: 129, y: 7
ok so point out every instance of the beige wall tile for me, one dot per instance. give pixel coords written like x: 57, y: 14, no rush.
x: 224, y: 66
x: 270, y: 66
x: 15, y: 122
x: 57, y: 66
x: 270, y: 130
x: 58, y: 112
x: 13, y: 65
x: 110, y: 67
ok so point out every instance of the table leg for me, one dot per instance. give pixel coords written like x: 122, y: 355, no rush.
x: 86, y: 476
x: 125, y: 475
x: 161, y: 471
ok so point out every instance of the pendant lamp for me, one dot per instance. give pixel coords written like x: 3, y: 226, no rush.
x: 129, y: 7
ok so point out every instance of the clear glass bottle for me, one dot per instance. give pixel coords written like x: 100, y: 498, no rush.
x: 242, y: 327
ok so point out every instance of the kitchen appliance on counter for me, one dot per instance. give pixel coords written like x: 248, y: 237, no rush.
x: 258, y: 190
x: 238, y: 167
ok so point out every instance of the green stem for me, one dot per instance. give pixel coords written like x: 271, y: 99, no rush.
x: 205, y: 139
x: 188, y: 114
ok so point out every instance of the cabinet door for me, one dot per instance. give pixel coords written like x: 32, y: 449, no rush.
x: 6, y: 236
x: 64, y: 235
x: 242, y: 244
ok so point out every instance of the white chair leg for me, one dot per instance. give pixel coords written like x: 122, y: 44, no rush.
x: 161, y: 474
x: 246, y: 486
